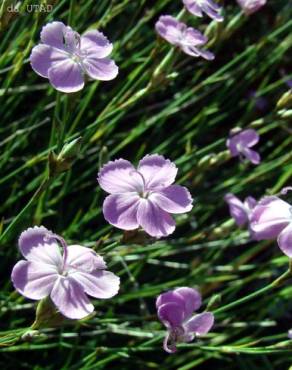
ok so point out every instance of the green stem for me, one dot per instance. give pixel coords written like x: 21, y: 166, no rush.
x: 43, y: 186
x: 258, y: 293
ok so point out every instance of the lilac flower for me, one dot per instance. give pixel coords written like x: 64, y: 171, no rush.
x: 186, y: 38
x: 240, y: 144
x: 143, y: 197
x: 251, y: 6
x: 239, y: 210
x: 66, y: 277
x: 65, y: 57
x: 272, y: 218
x: 175, y: 309
x: 198, y: 7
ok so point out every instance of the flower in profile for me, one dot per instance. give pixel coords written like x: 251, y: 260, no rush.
x: 251, y: 6
x: 240, y: 211
x: 239, y: 145
x: 175, y: 309
x: 186, y: 38
x: 271, y: 219
x: 65, y: 277
x: 143, y: 197
x: 65, y: 57
x: 209, y: 7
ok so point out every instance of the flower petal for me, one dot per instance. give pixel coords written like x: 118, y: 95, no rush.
x: 99, y: 284
x: 53, y: 34
x: 196, y: 52
x: 100, y: 69
x: 200, y: 324
x: 120, y: 210
x: 237, y: 209
x: 43, y: 57
x: 170, y: 29
x: 119, y: 176
x: 250, y: 203
x: 251, y: 155
x: 285, y: 241
x: 193, y: 7
x: 171, y: 314
x: 83, y: 258
x: 34, y: 280
x: 192, y: 299
x: 211, y: 12
x: 70, y: 299
x: 96, y: 43
x: 154, y: 220
x: 158, y: 172
x: 249, y: 137
x: 66, y: 76
x: 170, y: 297
x: 270, y: 217
x: 34, y: 247
x: 173, y: 199
x: 169, y: 344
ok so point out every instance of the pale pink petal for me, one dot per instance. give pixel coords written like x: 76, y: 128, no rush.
x: 53, y: 34
x: 96, y: 43
x: 82, y: 258
x: 192, y: 299
x: 70, y: 299
x: 237, y: 209
x: 100, y: 69
x: 171, y: 314
x: 196, y: 52
x: 251, y: 155
x: 173, y: 199
x: 194, y: 37
x: 170, y: 29
x: 34, y: 280
x: 158, y: 172
x: 66, y: 76
x: 270, y: 217
x: 200, y: 324
x: 193, y: 8
x: 170, y: 296
x: 120, y: 210
x: 43, y: 57
x: 285, y: 241
x: 35, y: 247
x: 154, y: 220
x: 249, y: 137
x: 99, y: 284
x: 119, y: 176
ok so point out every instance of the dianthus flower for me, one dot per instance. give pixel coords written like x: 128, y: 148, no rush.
x: 240, y: 211
x: 186, y: 38
x: 251, y: 6
x: 143, y: 197
x: 65, y: 57
x: 65, y: 277
x: 240, y: 144
x: 209, y: 7
x: 175, y: 309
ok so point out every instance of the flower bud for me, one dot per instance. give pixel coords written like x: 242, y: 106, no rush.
x: 286, y: 100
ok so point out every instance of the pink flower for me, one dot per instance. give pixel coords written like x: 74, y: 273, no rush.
x: 251, y: 6
x: 198, y: 7
x: 65, y: 57
x: 66, y: 278
x: 143, y: 197
x: 175, y: 309
x: 240, y: 144
x: 186, y: 38
x: 272, y: 218
x: 239, y: 210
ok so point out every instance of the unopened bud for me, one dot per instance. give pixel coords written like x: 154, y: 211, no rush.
x: 286, y: 100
